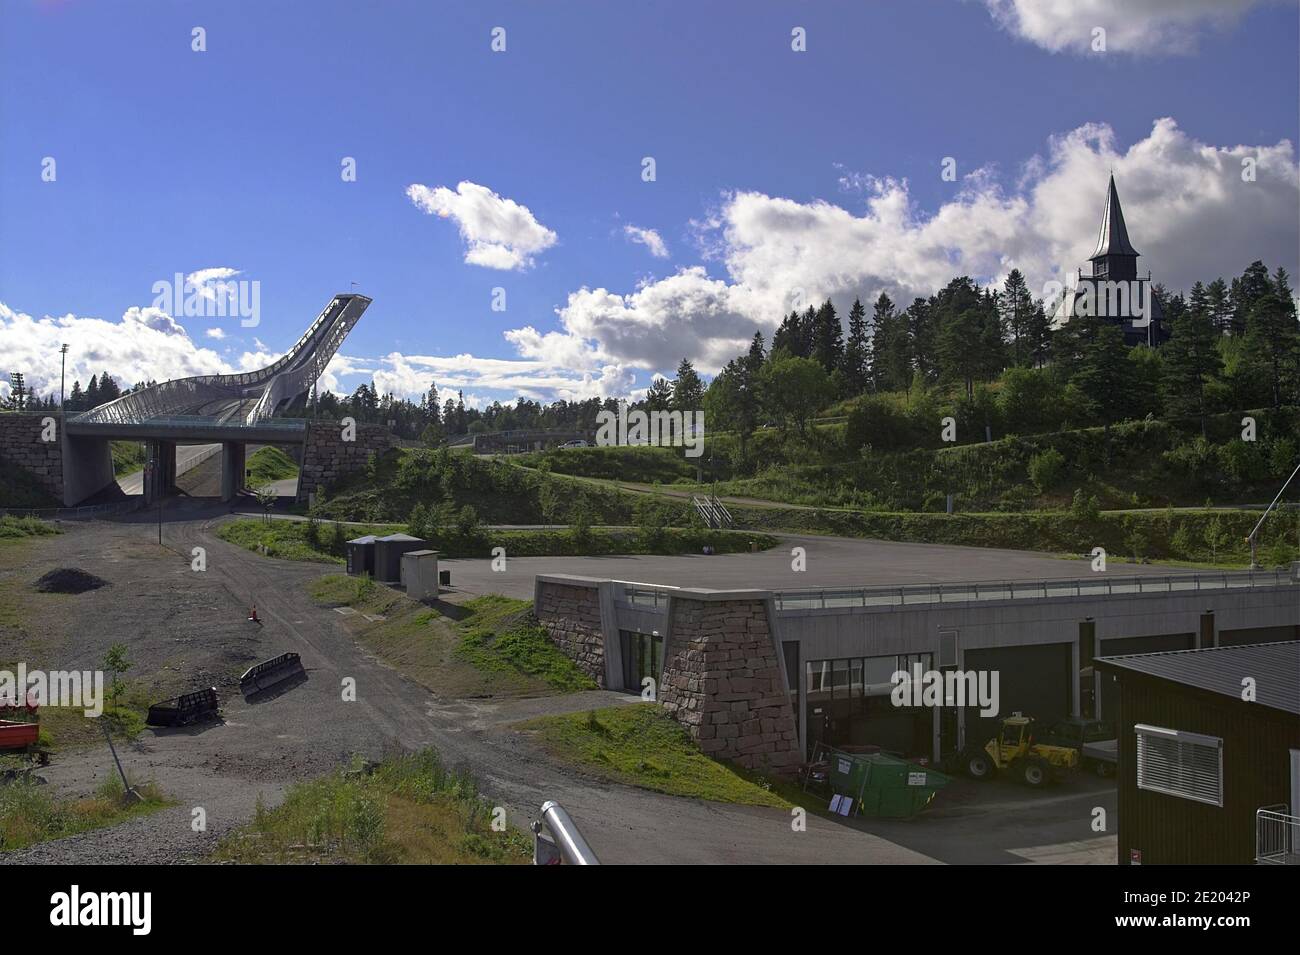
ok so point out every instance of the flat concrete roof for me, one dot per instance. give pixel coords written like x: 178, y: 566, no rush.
x: 831, y: 562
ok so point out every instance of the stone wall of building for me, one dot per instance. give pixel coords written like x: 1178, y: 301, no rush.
x: 326, y: 457
x: 21, y: 446
x: 723, y: 682
x: 571, y: 615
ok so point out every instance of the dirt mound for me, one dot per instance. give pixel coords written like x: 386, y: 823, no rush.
x: 69, y: 580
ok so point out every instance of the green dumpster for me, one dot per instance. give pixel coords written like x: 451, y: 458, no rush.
x: 882, y: 785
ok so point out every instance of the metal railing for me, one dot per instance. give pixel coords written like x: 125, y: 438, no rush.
x: 286, y: 377
x: 969, y: 591
x: 1277, y: 836
x: 713, y: 511
x: 190, y: 423
x: 565, y: 840
x: 72, y: 513
x: 654, y: 596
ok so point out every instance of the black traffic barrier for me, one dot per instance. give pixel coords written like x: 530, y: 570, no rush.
x: 270, y: 672
x: 183, y: 709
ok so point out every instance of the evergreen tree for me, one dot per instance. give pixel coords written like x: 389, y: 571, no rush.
x: 1253, y: 285
x: 922, y: 340
x: 659, y: 396
x: 1038, y: 335
x: 1102, y: 370
x: 857, y: 364
x: 1273, y: 344
x: 1017, y: 308
x: 795, y: 334
x: 76, y: 400
x: 1217, y: 303
x: 828, y: 338
x: 1191, y: 357
x: 687, y: 389
x: 891, y: 347
x: 92, y: 394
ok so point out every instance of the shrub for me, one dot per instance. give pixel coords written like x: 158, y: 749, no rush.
x: 1045, y: 469
x: 878, y: 423
x: 1084, y: 507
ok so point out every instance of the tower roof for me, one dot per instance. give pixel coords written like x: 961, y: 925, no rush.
x: 1113, y: 239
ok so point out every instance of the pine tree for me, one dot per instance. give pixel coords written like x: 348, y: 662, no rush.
x: 1273, y: 342
x: 1190, y: 357
x: 92, y: 394
x: 688, y: 389
x: 891, y: 349
x: 828, y: 338
x: 1017, y: 308
x: 1218, y: 305
x: 857, y: 362
x: 659, y: 396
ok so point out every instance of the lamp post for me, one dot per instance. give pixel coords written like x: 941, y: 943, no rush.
x: 63, y: 367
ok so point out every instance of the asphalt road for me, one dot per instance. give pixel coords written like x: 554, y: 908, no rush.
x: 187, y: 458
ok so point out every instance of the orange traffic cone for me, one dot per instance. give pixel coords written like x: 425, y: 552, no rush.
x: 253, y: 615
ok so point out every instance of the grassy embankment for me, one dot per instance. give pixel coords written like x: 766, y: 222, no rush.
x: 489, y: 646
x: 641, y: 745
x: 323, y: 542
x: 128, y: 457
x: 268, y: 464
x: 30, y: 813
x: 410, y: 809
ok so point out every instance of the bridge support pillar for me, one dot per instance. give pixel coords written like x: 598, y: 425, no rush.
x: 232, y: 469
x: 160, y: 469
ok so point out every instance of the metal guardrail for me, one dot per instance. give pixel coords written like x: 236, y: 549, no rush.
x: 655, y: 596
x: 969, y: 591
x: 565, y: 839
x: 1277, y: 836
x: 189, y: 423
x: 73, y: 513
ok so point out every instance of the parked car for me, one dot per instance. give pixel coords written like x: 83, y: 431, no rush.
x: 1094, y: 739
x: 579, y: 443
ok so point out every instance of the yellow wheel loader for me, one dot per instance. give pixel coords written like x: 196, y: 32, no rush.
x: 1014, y: 750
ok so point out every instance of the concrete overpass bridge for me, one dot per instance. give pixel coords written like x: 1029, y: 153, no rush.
x: 235, y: 410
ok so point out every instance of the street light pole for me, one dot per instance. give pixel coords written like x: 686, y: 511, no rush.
x: 63, y: 368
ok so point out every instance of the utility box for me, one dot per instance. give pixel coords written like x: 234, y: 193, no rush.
x: 420, y: 574
x: 360, y: 554
x: 388, y: 555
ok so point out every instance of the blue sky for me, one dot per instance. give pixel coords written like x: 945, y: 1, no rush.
x: 778, y: 173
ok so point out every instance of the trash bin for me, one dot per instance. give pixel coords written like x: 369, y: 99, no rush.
x: 883, y: 785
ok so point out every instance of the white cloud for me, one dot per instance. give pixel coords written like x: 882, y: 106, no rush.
x: 209, y: 283
x: 1188, y: 212
x: 216, y: 333
x: 650, y: 238
x: 499, y: 233
x: 146, y: 343
x: 1132, y: 26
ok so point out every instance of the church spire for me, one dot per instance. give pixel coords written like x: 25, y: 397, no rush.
x: 1113, y: 239
x: 1115, y: 257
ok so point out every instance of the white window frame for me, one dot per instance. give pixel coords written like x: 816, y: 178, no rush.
x: 1170, y: 745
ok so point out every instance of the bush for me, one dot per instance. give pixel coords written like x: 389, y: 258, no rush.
x: 877, y: 423
x: 1045, y: 469
x: 1085, y: 507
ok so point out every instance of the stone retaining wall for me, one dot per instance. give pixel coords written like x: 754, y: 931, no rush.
x: 21, y: 446
x: 571, y: 615
x: 326, y: 457
x: 723, y: 682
